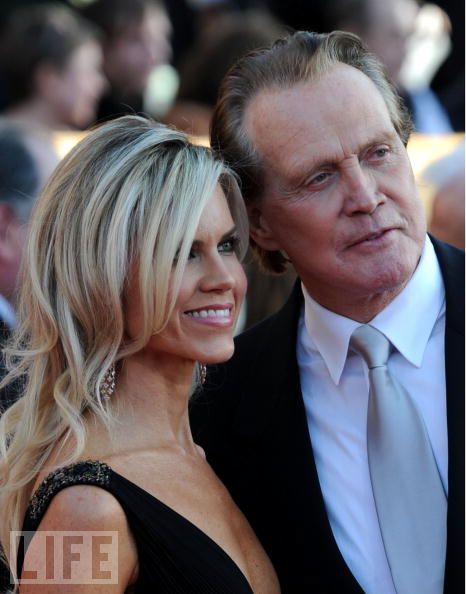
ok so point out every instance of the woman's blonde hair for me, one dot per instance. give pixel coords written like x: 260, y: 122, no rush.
x: 131, y: 192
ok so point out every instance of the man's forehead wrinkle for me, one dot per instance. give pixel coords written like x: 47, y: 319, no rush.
x: 258, y: 120
x: 290, y: 159
x: 293, y: 141
x: 298, y: 165
x: 285, y: 141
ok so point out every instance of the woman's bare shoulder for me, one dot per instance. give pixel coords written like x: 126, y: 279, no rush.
x: 76, y: 519
x: 83, y: 507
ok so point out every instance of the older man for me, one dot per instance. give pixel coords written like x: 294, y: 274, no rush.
x: 338, y: 425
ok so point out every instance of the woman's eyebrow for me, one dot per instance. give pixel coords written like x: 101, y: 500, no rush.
x: 229, y: 233
x: 225, y: 236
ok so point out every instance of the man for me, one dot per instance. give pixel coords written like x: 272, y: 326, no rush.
x: 317, y: 135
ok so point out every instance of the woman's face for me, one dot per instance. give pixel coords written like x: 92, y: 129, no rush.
x: 79, y: 86
x: 201, y: 325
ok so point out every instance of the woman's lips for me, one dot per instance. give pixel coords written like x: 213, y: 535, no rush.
x: 218, y: 315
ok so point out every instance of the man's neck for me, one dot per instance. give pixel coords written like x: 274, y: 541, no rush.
x: 360, y: 309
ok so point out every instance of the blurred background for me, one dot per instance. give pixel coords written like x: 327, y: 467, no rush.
x: 67, y: 65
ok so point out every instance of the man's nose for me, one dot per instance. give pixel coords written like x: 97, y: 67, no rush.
x: 360, y: 190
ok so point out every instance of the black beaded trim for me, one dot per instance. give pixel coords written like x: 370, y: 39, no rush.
x: 89, y: 472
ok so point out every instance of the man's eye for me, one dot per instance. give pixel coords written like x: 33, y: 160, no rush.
x: 318, y: 179
x: 381, y: 152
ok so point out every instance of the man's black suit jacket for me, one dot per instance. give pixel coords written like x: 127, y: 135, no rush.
x: 251, y: 421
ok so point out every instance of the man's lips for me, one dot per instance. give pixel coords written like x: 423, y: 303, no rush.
x: 372, y: 236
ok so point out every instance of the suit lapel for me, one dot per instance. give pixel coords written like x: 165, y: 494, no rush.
x: 452, y: 266
x: 287, y: 469
x: 283, y: 416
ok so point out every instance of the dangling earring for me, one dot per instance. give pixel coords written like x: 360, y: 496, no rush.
x: 108, y: 385
x: 202, y: 373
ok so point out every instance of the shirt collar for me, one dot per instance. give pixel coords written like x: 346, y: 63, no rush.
x: 407, y: 321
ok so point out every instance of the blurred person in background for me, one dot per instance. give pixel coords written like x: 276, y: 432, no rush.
x: 448, y: 82
x: 135, y: 40
x: 190, y: 18
x: 26, y: 161
x: 446, y: 175
x: 229, y: 36
x: 386, y: 26
x: 51, y: 62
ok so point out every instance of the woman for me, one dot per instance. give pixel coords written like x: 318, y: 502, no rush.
x: 51, y: 62
x: 131, y: 278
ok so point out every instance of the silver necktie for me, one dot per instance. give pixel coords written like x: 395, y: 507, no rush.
x: 409, y: 496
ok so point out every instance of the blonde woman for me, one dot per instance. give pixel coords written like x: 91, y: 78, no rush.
x: 130, y: 281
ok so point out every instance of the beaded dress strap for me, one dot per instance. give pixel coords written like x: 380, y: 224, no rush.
x: 89, y: 472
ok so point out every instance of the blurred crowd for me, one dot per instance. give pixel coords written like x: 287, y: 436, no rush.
x: 68, y: 65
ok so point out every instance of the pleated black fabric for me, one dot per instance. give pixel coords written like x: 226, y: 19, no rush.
x: 175, y: 557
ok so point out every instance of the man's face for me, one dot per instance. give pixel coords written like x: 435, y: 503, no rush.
x: 339, y: 196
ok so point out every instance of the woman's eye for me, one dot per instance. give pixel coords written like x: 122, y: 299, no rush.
x: 229, y: 245
x: 192, y: 253
x: 225, y: 246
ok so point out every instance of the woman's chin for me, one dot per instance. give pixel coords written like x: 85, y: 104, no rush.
x: 219, y: 356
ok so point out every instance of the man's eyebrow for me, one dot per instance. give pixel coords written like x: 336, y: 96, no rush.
x: 388, y: 136
x: 298, y: 180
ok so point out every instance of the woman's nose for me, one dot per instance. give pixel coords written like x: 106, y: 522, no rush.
x: 218, y: 275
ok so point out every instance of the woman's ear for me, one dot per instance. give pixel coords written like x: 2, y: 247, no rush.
x: 260, y: 230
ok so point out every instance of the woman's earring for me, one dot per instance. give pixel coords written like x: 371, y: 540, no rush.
x: 108, y: 385
x: 202, y: 373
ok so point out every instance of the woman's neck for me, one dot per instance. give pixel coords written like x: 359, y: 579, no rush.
x: 152, y: 395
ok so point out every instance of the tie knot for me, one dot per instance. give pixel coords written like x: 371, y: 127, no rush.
x: 372, y: 345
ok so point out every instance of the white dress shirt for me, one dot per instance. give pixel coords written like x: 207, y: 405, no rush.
x: 335, y: 389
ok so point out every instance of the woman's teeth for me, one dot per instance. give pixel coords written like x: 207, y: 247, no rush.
x: 209, y: 313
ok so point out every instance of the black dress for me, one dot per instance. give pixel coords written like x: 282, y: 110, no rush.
x: 174, y: 556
